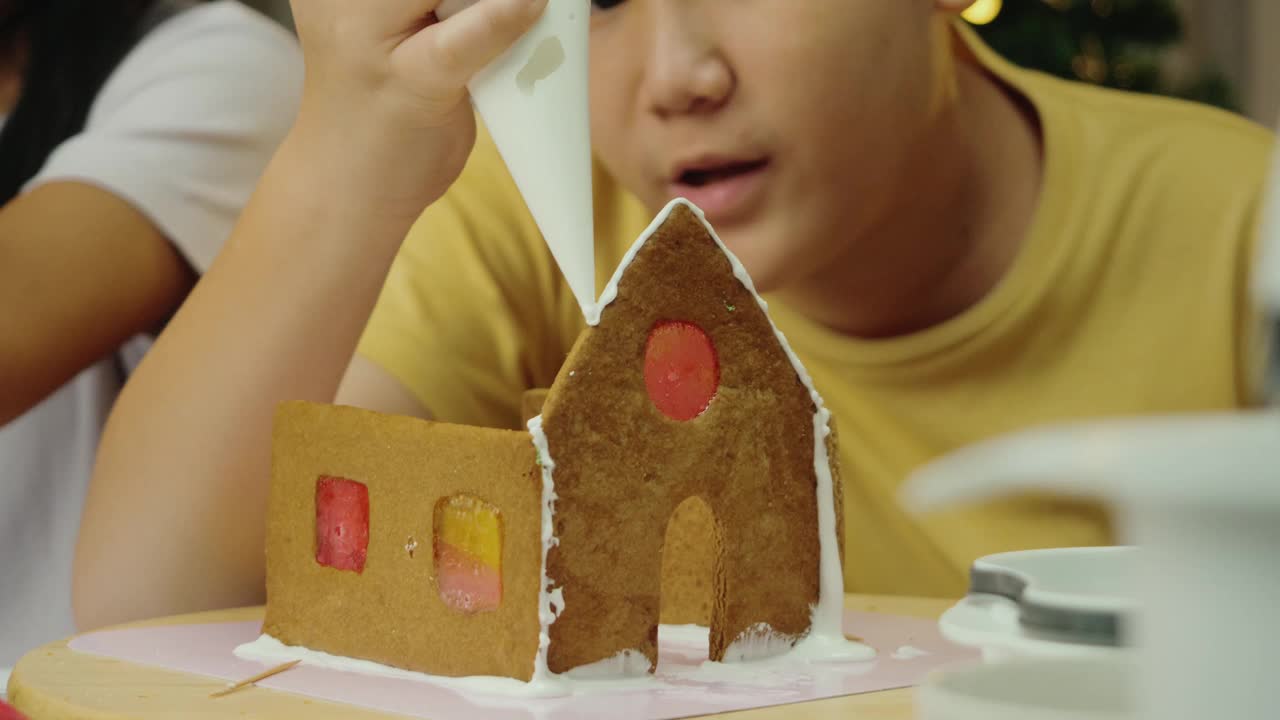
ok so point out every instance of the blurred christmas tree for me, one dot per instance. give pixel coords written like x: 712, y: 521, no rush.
x: 1125, y: 44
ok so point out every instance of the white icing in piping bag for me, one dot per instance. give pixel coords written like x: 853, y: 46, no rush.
x: 533, y: 100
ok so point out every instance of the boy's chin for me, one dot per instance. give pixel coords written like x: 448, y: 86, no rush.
x: 768, y: 272
x: 757, y: 248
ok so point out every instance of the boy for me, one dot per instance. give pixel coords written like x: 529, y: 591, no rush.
x: 956, y: 248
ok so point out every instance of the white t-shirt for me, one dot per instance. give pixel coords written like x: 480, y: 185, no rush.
x: 182, y: 130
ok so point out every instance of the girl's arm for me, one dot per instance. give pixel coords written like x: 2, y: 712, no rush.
x: 175, y: 517
x: 81, y: 271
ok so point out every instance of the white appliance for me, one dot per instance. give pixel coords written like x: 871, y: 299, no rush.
x: 1200, y: 496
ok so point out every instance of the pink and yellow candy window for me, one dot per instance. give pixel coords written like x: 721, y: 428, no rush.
x: 468, y: 554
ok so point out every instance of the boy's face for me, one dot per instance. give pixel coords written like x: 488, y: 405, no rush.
x: 784, y: 120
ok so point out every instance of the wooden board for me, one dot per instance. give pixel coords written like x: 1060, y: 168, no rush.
x: 56, y: 683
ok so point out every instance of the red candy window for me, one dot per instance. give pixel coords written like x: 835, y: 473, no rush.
x: 681, y: 370
x: 342, y: 523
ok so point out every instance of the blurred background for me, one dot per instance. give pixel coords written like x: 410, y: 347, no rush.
x: 1214, y: 51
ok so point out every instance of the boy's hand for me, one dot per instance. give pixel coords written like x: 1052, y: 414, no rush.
x: 385, y: 102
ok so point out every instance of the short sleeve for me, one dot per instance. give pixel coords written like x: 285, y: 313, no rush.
x: 186, y: 124
x: 474, y: 311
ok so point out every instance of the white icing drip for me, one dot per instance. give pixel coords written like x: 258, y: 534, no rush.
x: 785, y: 669
x: 483, y: 689
x: 823, y: 648
x: 827, y: 615
x: 550, y: 600
x: 628, y: 663
x: 758, y: 642
x: 689, y: 636
x: 502, y: 692
x: 269, y: 650
x: 907, y: 652
x: 826, y: 635
x: 767, y: 673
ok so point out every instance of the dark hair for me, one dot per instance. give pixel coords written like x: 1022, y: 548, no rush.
x: 66, y: 49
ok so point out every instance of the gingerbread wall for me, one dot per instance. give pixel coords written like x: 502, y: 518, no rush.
x: 391, y: 611
x: 623, y: 466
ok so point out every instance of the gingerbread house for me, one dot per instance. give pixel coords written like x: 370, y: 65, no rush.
x: 460, y: 551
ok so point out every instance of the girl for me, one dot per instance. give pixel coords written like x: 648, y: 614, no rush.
x: 953, y: 246
x: 133, y: 133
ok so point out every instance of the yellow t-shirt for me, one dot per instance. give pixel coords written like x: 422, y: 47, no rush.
x: 1128, y: 296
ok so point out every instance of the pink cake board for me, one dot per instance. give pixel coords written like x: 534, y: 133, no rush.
x: 908, y: 649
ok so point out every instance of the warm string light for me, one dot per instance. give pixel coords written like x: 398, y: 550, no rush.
x: 982, y: 12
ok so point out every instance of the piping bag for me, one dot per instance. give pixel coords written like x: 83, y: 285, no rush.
x: 533, y: 100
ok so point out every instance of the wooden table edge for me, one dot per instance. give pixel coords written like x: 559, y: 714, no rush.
x: 41, y: 705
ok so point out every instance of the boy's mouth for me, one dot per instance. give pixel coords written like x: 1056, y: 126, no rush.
x: 712, y: 172
x: 726, y: 189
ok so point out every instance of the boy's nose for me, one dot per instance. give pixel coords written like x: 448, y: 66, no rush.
x: 687, y: 71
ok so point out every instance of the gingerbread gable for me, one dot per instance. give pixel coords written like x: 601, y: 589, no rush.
x: 682, y: 389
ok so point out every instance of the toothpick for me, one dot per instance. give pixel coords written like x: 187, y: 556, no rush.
x: 249, y: 681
